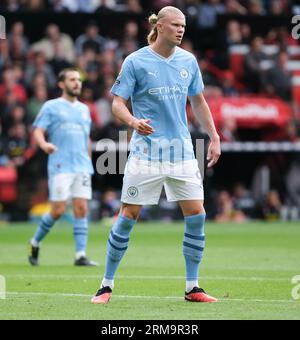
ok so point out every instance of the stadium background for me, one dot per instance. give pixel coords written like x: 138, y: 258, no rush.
x: 251, y: 67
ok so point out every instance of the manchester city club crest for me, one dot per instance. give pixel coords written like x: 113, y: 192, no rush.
x: 184, y: 73
x: 132, y: 192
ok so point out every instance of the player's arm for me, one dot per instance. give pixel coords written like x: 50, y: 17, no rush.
x: 40, y: 138
x: 203, y: 114
x: 120, y: 110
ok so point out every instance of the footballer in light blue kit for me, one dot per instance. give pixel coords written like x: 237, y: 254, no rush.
x: 158, y: 88
x: 159, y: 79
x: 62, y: 130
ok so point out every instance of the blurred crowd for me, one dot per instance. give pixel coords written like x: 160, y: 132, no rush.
x: 238, y: 205
x: 29, y: 69
x: 205, y: 11
x: 29, y: 75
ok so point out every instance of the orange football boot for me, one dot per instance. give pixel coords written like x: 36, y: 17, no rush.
x: 199, y: 295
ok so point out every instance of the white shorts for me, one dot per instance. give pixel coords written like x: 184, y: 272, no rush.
x: 65, y: 186
x: 143, y: 181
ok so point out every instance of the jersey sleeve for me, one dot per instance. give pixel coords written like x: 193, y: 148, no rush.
x: 43, y: 119
x: 125, y: 83
x: 196, y: 85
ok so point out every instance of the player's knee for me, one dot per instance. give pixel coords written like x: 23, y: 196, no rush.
x: 80, y: 210
x: 58, y: 211
x: 196, y: 211
x: 192, y: 208
x: 131, y: 212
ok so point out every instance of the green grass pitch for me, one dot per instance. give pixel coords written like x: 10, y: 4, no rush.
x: 248, y: 267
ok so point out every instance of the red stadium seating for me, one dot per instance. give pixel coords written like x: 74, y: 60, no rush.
x: 8, y: 181
x: 237, y: 55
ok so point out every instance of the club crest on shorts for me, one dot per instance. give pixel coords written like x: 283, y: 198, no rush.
x: 132, y: 192
x: 59, y: 190
x: 184, y: 73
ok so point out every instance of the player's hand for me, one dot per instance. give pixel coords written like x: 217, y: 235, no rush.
x: 214, y: 152
x: 48, y: 148
x: 142, y: 127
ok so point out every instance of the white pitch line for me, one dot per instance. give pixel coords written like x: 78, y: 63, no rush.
x: 140, y: 277
x: 142, y: 297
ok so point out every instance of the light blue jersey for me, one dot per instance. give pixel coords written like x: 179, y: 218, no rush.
x: 159, y: 88
x: 68, y: 127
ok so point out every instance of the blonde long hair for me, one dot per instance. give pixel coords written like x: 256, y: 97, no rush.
x: 153, y: 20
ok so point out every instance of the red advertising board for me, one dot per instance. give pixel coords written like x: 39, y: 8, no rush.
x: 250, y: 112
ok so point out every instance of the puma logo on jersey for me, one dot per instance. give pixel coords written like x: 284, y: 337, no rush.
x: 154, y: 74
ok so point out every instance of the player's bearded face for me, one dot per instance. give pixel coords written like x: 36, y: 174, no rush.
x: 73, y: 85
x: 74, y: 90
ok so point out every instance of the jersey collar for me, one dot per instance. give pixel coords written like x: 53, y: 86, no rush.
x: 159, y: 56
x: 67, y: 101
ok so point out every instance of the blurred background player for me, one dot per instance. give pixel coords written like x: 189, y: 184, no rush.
x: 159, y: 78
x: 66, y: 122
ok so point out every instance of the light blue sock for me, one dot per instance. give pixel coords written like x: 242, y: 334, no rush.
x: 44, y: 227
x: 117, y: 245
x: 80, y: 231
x: 193, y: 245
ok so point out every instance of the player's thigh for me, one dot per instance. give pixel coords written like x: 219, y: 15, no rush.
x: 142, y: 183
x: 82, y: 186
x: 60, y: 187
